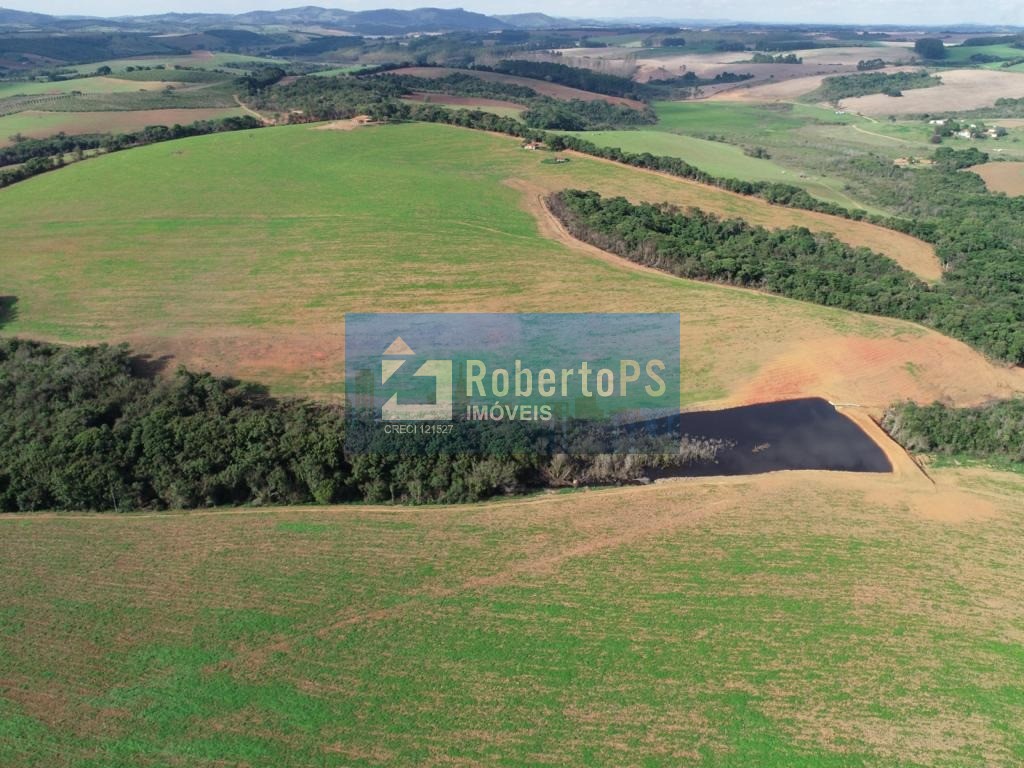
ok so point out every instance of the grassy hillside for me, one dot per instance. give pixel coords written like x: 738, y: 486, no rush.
x: 40, y: 124
x: 712, y: 623
x: 191, y: 249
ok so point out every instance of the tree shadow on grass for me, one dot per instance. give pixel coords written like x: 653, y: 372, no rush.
x: 149, y: 367
x: 8, y: 310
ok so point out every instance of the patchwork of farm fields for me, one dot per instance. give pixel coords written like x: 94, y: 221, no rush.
x: 39, y: 124
x: 719, y: 623
x: 189, y: 249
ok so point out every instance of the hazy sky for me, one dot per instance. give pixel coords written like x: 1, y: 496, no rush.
x: 849, y: 11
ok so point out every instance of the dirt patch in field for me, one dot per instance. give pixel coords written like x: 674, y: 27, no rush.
x: 872, y: 372
x: 961, y: 89
x: 542, y: 87
x: 798, y: 83
x: 1002, y: 177
x: 787, y: 90
x: 310, y: 359
x: 360, y: 121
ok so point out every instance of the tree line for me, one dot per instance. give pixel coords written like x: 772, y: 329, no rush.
x: 792, y: 262
x: 867, y: 83
x: 983, y: 308
x: 993, y: 431
x: 311, y: 99
x: 977, y: 235
x: 94, y: 428
x: 30, y: 157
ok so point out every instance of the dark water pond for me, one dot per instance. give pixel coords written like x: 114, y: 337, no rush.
x: 793, y: 434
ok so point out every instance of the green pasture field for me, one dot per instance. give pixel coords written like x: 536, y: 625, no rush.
x: 38, y: 124
x: 202, y: 96
x: 83, y: 84
x: 184, y: 245
x: 963, y: 53
x: 719, y: 625
x: 175, y: 75
x: 340, y: 70
x: 746, y: 121
x: 718, y: 159
x: 200, y: 59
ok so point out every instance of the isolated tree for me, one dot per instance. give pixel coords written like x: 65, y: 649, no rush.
x: 930, y: 48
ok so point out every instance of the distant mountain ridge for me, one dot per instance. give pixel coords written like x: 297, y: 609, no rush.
x: 386, y: 21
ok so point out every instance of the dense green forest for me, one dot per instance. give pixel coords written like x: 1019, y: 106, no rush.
x: 574, y: 77
x: 793, y: 262
x: 461, y: 84
x: 979, y: 301
x: 95, y: 428
x: 994, y: 431
x: 866, y: 83
x: 334, y: 98
x: 978, y: 236
x: 613, y: 85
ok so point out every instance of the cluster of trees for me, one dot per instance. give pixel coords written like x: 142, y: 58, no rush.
x: 92, y: 428
x: 462, y: 84
x: 995, y: 430
x: 260, y: 78
x: 791, y: 262
x: 930, y: 48
x: 979, y: 42
x: 82, y: 429
x: 848, y: 86
x: 1003, y: 108
x: 978, y: 236
x: 30, y: 157
x: 663, y: 89
x: 578, y: 115
x: 333, y: 98
x: 866, y: 65
x: 574, y: 77
x: 612, y: 85
x: 781, y: 58
x: 949, y: 159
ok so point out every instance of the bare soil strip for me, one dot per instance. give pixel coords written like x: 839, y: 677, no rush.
x: 1002, y: 177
